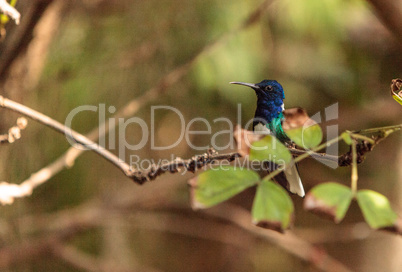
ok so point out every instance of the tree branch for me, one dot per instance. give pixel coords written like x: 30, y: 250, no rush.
x: 177, y: 219
x: 176, y: 165
x: 212, y: 156
x: 73, y: 135
x: 69, y: 157
x: 19, y: 37
x: 11, y: 191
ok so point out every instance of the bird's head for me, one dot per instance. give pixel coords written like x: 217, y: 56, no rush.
x: 266, y: 90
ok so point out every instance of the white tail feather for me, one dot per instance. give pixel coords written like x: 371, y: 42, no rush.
x: 295, y: 184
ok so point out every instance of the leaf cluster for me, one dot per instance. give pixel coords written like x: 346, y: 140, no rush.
x: 272, y: 207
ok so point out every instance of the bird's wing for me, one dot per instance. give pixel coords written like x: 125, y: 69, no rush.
x: 291, y: 179
x: 295, y: 184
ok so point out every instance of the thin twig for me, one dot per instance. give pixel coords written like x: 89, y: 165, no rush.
x: 314, y: 155
x: 8, y: 192
x: 378, y: 129
x: 73, y: 135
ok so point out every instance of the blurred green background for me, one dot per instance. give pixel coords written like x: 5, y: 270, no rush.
x: 111, y: 52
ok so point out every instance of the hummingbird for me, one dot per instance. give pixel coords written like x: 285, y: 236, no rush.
x: 268, y: 119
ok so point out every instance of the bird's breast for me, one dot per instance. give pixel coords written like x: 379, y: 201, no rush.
x: 260, y: 128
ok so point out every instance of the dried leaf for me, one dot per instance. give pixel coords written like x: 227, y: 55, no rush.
x: 261, y: 147
x: 396, y: 90
x: 301, y: 129
x: 244, y: 139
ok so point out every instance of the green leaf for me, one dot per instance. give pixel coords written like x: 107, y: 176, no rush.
x: 376, y: 209
x: 270, y: 149
x: 347, y: 138
x: 306, y: 137
x: 272, y: 207
x: 217, y: 185
x: 330, y: 200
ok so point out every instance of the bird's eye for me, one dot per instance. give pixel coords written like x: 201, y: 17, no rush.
x: 268, y: 88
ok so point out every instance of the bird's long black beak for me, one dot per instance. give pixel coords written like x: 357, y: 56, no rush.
x: 251, y: 85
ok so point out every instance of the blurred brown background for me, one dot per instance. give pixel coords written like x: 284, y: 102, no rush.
x: 182, y: 54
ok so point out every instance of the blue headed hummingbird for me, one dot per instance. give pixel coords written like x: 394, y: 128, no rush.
x: 268, y: 119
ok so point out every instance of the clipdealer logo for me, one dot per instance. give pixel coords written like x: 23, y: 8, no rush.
x: 147, y: 132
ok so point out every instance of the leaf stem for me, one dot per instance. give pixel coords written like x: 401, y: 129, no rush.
x: 317, y: 148
x: 273, y: 174
x: 362, y: 137
x: 372, y: 130
x: 303, y: 156
x: 354, y: 135
x: 354, y: 176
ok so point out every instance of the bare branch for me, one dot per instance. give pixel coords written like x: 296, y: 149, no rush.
x: 363, y: 147
x: 9, y: 10
x: 11, y: 191
x: 212, y: 156
x: 78, y: 138
x: 8, y: 191
x: 191, y: 165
